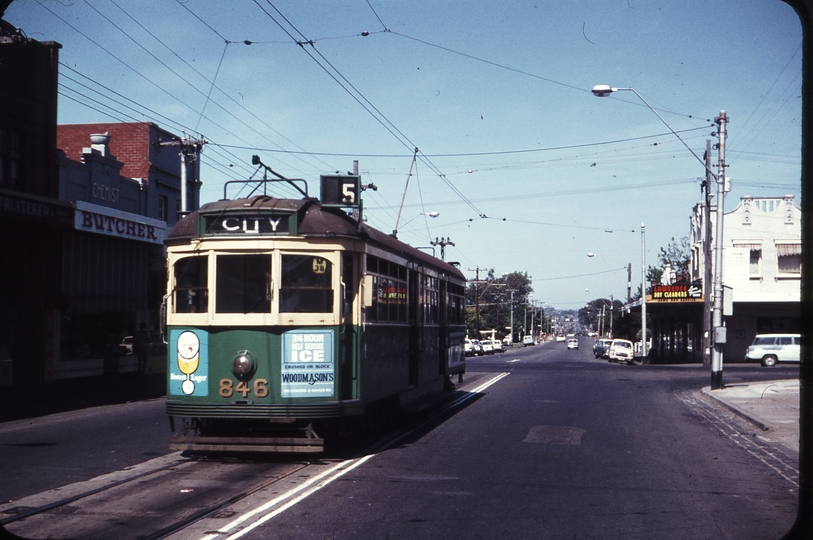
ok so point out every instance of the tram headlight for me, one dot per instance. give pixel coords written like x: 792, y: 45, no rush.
x: 243, y: 365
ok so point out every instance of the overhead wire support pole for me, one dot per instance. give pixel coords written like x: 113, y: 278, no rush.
x: 643, y: 295
x: 442, y: 242
x: 719, y: 336
x: 708, y: 280
x: 190, y: 148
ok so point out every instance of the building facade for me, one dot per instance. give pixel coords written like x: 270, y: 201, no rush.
x: 32, y: 219
x: 762, y: 270
x: 113, y: 274
x: 83, y: 226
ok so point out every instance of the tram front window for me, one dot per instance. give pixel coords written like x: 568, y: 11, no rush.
x: 243, y: 284
x: 307, y: 284
x: 191, y: 291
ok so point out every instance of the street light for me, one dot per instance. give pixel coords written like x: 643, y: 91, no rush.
x: 604, y: 90
x: 719, y: 335
x: 428, y: 214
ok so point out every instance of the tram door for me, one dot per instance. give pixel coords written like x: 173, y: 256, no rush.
x: 414, y: 325
x: 347, y: 331
x: 443, y: 320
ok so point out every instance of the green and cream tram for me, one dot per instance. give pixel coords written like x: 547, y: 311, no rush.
x: 287, y: 321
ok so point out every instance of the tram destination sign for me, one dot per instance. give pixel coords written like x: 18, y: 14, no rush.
x: 248, y: 224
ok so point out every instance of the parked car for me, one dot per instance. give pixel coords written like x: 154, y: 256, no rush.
x: 467, y: 349
x: 126, y: 345
x: 621, y: 351
x: 487, y: 347
x: 573, y: 344
x: 771, y: 349
x: 601, y: 347
x: 497, y: 345
x: 528, y: 341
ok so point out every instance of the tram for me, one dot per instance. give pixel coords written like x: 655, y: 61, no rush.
x: 289, y: 322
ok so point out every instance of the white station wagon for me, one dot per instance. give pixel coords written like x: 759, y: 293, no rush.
x: 770, y: 349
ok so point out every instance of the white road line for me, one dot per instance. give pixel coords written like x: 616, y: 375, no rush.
x: 311, y: 486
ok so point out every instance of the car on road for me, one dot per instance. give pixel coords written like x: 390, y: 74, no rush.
x: 528, y: 341
x: 487, y: 347
x: 560, y: 338
x: 771, y: 349
x: 621, y: 351
x: 496, y: 344
x: 601, y: 347
x: 573, y: 344
x: 126, y: 345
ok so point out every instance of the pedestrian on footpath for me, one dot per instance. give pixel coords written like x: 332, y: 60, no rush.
x: 141, y: 346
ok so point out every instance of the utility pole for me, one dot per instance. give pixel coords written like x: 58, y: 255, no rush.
x: 643, y: 295
x: 190, y: 153
x: 612, y: 309
x: 717, y: 313
x: 477, y: 283
x: 442, y: 242
x: 707, y: 263
x: 629, y: 283
x: 512, y: 314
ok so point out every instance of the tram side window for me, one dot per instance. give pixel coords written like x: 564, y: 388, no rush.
x: 191, y: 285
x: 430, y: 300
x: 243, y: 284
x: 307, y: 284
x: 389, y: 291
x: 454, y: 304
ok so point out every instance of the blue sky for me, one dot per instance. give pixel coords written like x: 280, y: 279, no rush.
x: 527, y: 169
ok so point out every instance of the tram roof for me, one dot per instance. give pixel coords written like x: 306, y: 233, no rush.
x: 314, y: 221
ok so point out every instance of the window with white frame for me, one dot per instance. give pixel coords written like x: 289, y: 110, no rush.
x: 754, y: 259
x: 789, y: 259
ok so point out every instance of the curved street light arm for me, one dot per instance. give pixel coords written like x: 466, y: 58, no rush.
x: 603, y: 90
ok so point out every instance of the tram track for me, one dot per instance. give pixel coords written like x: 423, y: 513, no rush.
x: 34, y: 521
x: 28, y: 512
x: 229, y: 497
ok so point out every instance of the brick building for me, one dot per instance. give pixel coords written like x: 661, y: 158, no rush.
x: 113, y: 275
x: 82, y: 227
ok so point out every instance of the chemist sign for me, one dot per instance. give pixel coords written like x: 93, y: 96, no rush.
x: 307, y: 364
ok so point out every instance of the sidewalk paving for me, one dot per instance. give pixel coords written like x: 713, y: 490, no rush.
x: 772, y: 406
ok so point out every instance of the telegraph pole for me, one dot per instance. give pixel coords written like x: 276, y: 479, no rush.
x: 707, y: 266
x: 477, y: 283
x: 190, y: 151
x: 643, y: 295
x: 717, y: 312
x: 443, y: 242
x: 629, y: 283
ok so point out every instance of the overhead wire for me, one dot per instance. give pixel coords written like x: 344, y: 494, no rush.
x: 359, y: 97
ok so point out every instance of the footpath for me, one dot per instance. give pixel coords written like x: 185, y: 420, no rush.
x: 771, y: 406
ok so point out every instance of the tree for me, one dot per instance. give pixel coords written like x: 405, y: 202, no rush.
x: 493, y: 296
x: 678, y: 255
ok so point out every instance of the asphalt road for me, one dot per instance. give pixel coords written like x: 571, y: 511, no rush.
x: 563, y: 446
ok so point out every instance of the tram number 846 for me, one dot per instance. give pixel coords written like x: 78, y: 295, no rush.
x: 227, y: 388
